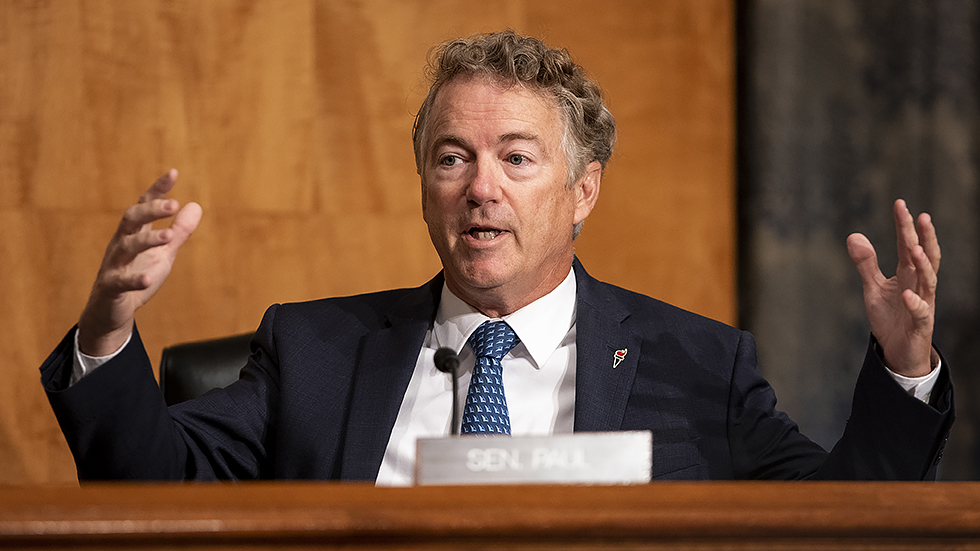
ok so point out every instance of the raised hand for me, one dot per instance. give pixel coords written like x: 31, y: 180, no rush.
x: 136, y: 262
x: 902, y: 309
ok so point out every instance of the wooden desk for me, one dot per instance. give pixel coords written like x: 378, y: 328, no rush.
x: 792, y: 515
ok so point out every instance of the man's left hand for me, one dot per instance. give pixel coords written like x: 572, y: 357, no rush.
x: 902, y: 309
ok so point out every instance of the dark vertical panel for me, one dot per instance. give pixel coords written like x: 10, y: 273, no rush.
x: 845, y: 106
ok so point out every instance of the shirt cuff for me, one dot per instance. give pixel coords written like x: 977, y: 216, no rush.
x: 83, y: 364
x: 918, y: 387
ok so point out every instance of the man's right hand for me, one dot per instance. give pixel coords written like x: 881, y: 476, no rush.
x: 136, y: 262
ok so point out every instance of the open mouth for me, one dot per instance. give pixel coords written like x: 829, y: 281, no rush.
x: 483, y: 234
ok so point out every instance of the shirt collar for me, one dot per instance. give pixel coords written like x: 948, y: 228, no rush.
x: 541, y: 325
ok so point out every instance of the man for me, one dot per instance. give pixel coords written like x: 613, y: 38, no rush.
x: 510, y: 146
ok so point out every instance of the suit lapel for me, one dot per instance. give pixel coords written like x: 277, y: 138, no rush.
x: 602, y: 387
x: 388, y: 355
x: 386, y: 362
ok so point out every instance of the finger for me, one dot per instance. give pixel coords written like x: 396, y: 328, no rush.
x: 139, y: 215
x: 918, y: 308
x: 185, y: 223
x: 161, y: 187
x: 119, y: 283
x: 905, y: 232
x: 925, y: 275
x: 142, y: 241
x: 928, y: 240
x: 123, y: 250
x: 865, y: 259
x: 173, y: 237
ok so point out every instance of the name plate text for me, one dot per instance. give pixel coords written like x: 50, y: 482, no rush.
x: 579, y: 458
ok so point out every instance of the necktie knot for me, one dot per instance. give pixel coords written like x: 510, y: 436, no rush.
x: 493, y: 339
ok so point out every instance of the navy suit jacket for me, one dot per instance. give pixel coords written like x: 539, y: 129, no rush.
x: 321, y: 392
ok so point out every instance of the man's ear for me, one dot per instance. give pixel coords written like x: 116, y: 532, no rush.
x: 587, y: 191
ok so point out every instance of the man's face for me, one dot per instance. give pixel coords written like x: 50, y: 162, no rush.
x: 495, y: 194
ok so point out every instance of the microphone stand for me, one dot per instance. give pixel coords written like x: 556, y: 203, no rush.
x: 448, y: 362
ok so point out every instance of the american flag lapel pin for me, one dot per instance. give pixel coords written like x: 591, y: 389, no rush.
x: 618, y: 357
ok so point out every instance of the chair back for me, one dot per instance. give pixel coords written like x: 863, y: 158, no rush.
x: 190, y: 369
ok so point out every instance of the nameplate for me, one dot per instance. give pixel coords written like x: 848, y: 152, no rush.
x: 579, y: 458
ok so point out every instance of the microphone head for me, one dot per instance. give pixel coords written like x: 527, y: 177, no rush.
x: 446, y: 360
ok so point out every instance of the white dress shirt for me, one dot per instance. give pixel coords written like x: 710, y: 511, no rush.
x: 539, y: 376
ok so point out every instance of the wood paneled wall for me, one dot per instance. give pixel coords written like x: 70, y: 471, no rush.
x: 290, y: 123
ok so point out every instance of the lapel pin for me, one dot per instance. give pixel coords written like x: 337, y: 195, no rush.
x: 618, y: 357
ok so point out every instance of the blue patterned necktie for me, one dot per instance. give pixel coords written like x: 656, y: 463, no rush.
x: 486, y: 406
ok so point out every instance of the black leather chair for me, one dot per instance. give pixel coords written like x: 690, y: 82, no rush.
x: 190, y: 369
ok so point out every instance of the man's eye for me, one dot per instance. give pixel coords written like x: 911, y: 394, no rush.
x: 450, y: 160
x: 516, y: 159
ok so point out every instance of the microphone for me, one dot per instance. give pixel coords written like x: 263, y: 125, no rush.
x: 448, y: 362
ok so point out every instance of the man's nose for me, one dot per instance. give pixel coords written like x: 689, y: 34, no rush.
x: 485, y: 183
